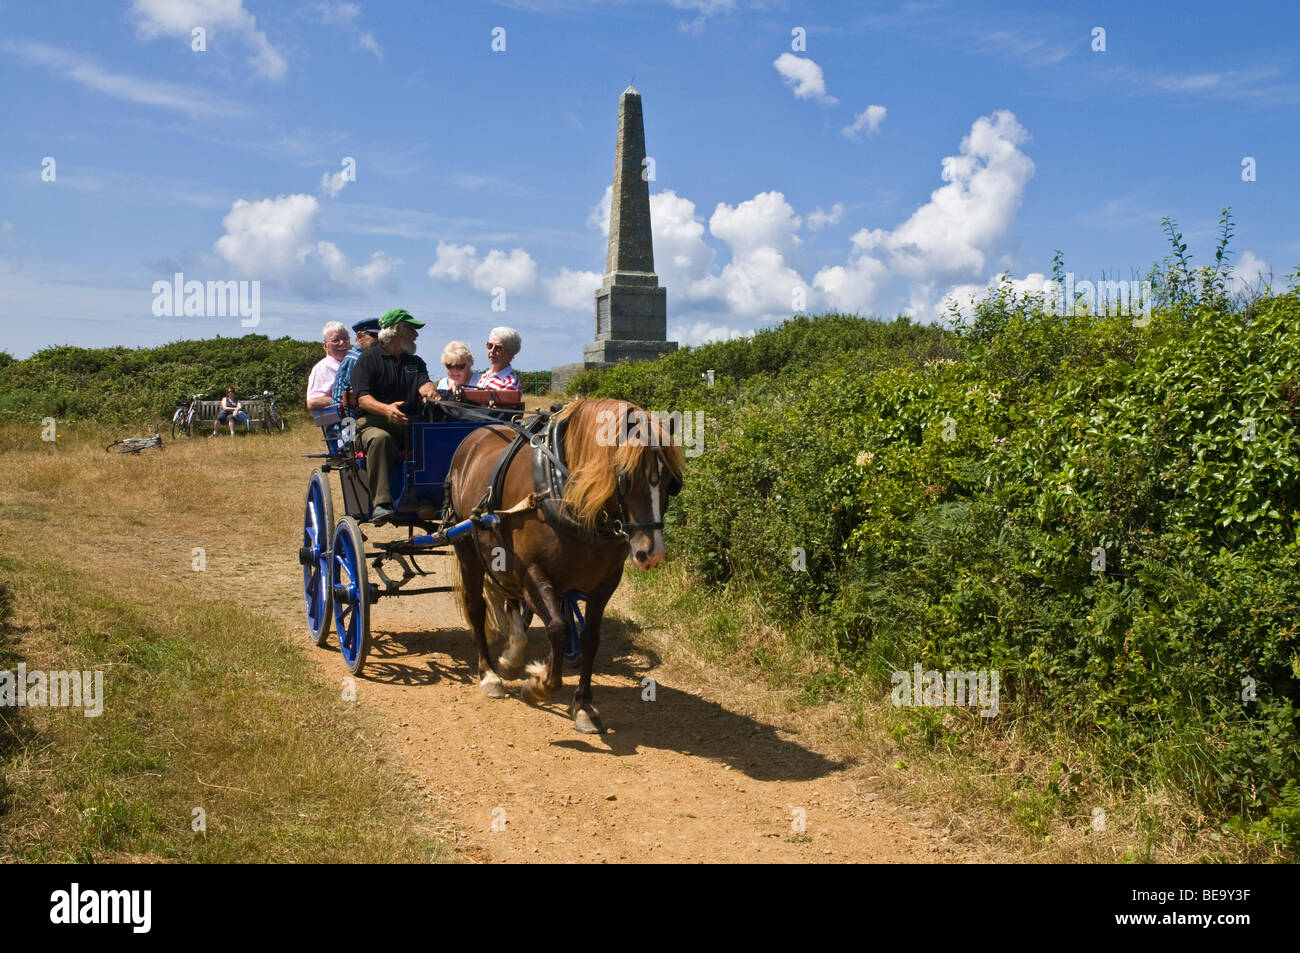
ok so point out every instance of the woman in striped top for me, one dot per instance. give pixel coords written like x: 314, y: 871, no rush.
x: 502, y: 346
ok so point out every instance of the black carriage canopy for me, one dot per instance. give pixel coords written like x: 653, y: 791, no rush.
x: 387, y: 378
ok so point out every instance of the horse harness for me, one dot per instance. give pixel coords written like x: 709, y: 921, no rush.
x: 545, y: 435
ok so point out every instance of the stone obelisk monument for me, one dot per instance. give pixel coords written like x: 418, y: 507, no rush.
x: 631, y: 308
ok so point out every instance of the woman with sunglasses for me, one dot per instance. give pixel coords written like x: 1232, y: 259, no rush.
x: 502, y: 346
x: 459, y: 364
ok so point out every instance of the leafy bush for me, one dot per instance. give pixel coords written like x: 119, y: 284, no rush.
x: 1105, y: 513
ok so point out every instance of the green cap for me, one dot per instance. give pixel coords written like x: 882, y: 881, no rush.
x: 390, y: 319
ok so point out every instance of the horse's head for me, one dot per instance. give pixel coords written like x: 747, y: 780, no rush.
x: 625, y: 466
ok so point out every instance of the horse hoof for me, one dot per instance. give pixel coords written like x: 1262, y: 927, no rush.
x: 588, y: 724
x: 534, y: 692
x: 493, y: 689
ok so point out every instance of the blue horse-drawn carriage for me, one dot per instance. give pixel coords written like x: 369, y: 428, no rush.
x: 333, y: 554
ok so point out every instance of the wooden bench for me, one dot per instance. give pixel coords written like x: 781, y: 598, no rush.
x: 257, y: 408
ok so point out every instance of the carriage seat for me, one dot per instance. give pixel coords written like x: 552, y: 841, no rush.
x: 328, y: 416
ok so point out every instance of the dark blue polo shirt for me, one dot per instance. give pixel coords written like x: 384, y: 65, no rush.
x: 387, y: 379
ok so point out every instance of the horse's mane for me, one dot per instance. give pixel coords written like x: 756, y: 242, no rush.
x: 595, y: 461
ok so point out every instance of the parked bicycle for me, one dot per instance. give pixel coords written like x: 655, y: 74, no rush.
x: 136, y: 444
x: 186, y: 416
x: 272, y: 420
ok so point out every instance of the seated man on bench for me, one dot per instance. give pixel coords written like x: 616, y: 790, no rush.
x: 391, y: 385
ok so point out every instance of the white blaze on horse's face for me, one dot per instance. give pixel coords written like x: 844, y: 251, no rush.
x: 648, y: 559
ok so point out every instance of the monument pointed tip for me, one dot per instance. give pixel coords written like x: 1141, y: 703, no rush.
x: 631, y: 91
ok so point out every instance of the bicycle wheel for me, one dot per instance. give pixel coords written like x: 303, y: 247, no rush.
x: 178, y: 422
x: 274, y: 418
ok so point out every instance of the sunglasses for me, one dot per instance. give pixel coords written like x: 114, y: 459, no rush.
x: 455, y: 367
x: 495, y: 347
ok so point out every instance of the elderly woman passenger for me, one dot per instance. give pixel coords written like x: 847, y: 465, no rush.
x: 502, y: 346
x: 459, y: 364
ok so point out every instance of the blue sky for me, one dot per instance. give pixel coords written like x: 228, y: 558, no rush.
x: 906, y: 152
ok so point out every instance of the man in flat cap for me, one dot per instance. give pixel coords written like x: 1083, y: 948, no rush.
x: 366, y: 336
x: 391, y: 385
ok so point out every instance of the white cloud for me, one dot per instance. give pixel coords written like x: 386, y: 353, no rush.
x: 855, y: 287
x: 964, y: 297
x: 759, y: 281
x: 275, y: 240
x: 1249, y: 275
x: 177, y: 18
x: 817, y: 219
x: 683, y: 259
x: 804, y: 76
x: 1031, y: 50
x: 869, y: 119
x: 334, y: 182
x: 704, y: 8
x: 573, y: 290
x: 345, y: 17
x: 269, y: 237
x: 598, y: 214
x: 515, y: 270
x: 194, y: 102
x: 951, y: 236
x: 361, y: 277
x: 702, y: 332
x: 765, y: 220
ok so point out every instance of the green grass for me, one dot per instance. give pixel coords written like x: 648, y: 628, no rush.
x: 205, y: 707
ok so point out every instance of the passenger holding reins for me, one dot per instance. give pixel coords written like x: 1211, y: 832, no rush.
x: 391, y: 385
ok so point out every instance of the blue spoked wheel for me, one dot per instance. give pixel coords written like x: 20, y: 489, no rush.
x: 317, y: 525
x: 351, y: 590
x: 573, y: 651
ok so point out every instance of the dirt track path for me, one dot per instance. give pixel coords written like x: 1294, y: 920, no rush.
x: 694, y: 775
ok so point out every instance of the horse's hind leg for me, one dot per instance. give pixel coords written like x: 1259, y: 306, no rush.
x: 506, y: 620
x: 544, y: 680
x: 476, y: 615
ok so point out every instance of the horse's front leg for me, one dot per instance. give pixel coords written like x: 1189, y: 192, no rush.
x: 586, y: 718
x: 545, y: 680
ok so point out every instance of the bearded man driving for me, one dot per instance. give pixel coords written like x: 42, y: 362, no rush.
x: 391, y: 385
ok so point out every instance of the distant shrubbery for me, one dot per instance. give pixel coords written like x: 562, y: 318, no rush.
x: 1105, y: 512
x: 119, y: 384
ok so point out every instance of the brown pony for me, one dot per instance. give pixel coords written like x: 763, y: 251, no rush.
x: 623, y: 464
